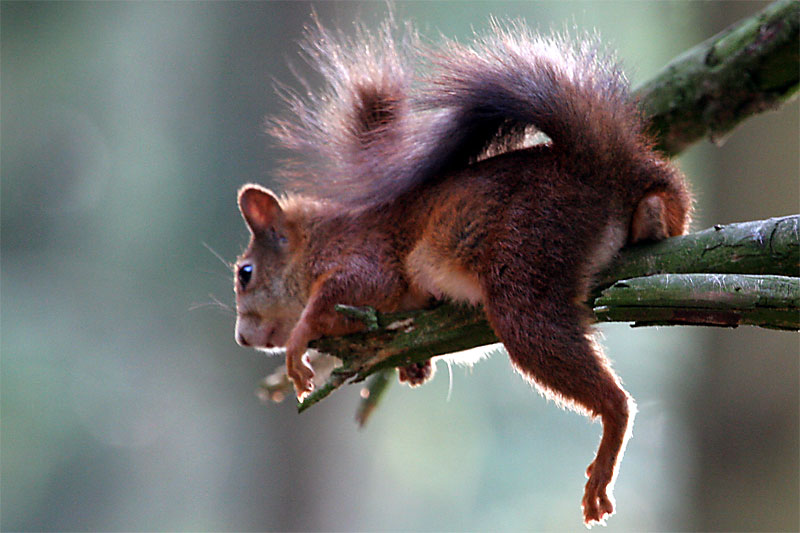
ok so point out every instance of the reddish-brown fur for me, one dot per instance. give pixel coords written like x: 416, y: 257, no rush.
x: 521, y: 233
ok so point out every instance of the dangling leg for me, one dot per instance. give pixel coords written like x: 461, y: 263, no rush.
x: 548, y: 340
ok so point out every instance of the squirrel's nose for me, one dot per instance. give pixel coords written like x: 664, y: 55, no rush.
x: 241, y: 340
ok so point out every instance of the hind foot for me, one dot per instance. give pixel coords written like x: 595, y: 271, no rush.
x: 598, y: 503
x: 416, y: 374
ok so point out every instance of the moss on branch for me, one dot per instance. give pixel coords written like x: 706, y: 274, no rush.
x: 726, y: 300
x: 750, y: 67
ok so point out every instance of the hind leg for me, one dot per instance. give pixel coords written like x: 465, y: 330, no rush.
x: 548, y: 340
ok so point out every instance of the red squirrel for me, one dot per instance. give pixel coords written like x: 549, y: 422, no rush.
x: 424, y: 187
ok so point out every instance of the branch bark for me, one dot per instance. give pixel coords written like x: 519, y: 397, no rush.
x: 748, y: 68
x: 726, y: 300
x: 759, y: 247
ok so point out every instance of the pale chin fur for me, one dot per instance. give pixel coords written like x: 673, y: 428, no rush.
x: 275, y: 350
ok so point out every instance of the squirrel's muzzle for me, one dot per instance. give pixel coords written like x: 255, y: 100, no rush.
x: 241, y: 341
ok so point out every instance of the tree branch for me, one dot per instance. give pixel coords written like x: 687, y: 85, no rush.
x: 726, y: 300
x: 748, y: 68
x: 759, y: 247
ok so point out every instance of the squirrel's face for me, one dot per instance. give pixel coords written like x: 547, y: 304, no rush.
x: 266, y: 308
x: 267, y: 302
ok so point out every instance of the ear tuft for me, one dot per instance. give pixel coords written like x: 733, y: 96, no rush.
x: 259, y: 207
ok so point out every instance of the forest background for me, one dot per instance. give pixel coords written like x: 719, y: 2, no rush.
x: 125, y: 403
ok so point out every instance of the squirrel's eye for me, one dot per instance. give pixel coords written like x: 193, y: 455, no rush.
x: 245, y: 273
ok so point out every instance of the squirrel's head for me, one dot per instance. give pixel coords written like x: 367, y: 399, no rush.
x: 267, y: 300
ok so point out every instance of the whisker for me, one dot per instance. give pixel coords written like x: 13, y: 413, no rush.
x: 226, y: 312
x: 221, y: 304
x: 228, y: 264
x: 214, y: 303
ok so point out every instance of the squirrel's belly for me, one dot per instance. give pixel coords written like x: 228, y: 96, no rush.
x: 441, y: 277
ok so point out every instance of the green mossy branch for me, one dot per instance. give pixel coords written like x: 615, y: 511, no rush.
x: 726, y: 300
x: 750, y: 67
x: 758, y: 247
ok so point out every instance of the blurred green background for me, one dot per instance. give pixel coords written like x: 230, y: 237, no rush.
x: 126, y: 404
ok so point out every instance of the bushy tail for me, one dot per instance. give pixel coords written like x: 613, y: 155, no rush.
x: 376, y: 132
x: 344, y: 131
x: 511, y: 80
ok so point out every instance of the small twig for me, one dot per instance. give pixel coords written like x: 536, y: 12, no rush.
x: 366, y: 315
x: 372, y: 394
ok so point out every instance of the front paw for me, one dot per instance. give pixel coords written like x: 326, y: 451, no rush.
x: 302, y: 376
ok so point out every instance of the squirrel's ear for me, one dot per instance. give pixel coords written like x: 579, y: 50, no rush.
x: 260, y: 208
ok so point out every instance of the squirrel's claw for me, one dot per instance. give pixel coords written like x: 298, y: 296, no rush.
x: 302, y: 376
x: 302, y: 394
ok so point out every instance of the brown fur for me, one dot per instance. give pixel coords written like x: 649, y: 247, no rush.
x: 521, y: 233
